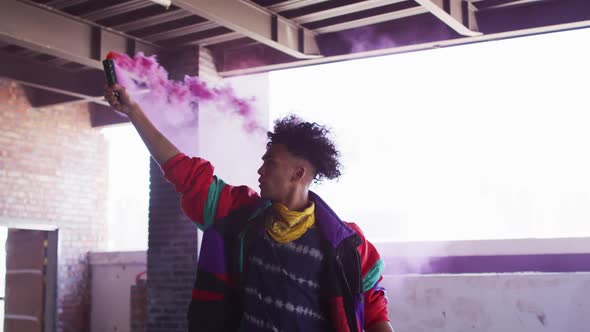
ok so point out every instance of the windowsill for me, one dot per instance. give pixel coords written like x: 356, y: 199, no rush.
x: 485, y: 247
x: 559, y: 255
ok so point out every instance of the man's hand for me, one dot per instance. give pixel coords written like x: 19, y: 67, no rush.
x: 123, y: 103
x: 159, y: 146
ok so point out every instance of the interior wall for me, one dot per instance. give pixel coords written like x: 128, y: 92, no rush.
x: 53, y: 171
x: 483, y: 285
x: 524, y: 302
x: 113, y: 275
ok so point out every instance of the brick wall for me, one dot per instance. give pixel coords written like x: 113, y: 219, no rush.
x: 191, y: 61
x: 172, y: 257
x: 138, y: 306
x: 172, y: 240
x: 181, y: 62
x: 53, y: 171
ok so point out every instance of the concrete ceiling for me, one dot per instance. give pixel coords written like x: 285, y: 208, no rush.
x: 55, y: 46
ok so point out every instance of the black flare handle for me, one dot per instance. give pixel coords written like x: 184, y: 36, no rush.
x: 109, y: 71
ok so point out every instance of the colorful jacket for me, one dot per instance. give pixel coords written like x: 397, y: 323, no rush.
x: 228, y: 214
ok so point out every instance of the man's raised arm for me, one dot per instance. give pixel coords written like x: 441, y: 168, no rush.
x: 158, y: 145
x: 204, y: 197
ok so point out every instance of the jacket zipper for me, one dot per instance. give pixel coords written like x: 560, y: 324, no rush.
x: 350, y: 298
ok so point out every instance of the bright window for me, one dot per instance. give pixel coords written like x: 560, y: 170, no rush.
x: 128, y: 193
x: 481, y: 141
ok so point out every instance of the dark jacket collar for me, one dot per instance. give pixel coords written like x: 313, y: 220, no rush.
x: 333, y: 228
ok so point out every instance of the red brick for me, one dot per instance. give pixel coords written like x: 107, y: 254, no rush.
x: 53, y: 168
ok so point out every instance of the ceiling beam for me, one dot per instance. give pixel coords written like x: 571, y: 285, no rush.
x: 343, y: 10
x: 183, y: 31
x: 118, y: 9
x: 334, y: 13
x: 217, y: 39
x: 58, y: 62
x: 410, y: 48
x: 26, y: 25
x: 60, y: 4
x: 504, y: 4
x: 40, y: 98
x: 168, y: 16
x: 293, y: 4
x: 257, y: 23
x: 457, y: 14
x: 103, y: 115
x: 372, y: 20
x: 86, y: 85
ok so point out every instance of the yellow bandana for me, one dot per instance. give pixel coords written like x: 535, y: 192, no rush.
x: 284, y: 225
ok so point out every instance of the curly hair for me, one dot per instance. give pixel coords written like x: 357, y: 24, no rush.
x: 309, y: 141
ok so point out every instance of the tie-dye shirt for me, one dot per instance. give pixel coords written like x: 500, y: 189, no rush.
x: 281, y: 290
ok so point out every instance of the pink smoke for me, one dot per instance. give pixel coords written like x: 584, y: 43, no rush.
x: 150, y: 87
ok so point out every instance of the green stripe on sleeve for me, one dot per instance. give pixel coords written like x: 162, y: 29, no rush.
x: 373, y: 275
x: 210, y: 208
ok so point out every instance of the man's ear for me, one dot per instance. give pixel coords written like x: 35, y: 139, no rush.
x: 299, y: 173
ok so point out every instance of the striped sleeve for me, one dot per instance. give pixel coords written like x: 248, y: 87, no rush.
x: 204, y: 197
x: 372, y: 265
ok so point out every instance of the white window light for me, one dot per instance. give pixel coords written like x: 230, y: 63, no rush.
x: 165, y: 3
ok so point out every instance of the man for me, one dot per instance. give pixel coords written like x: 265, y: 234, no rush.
x: 278, y: 261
